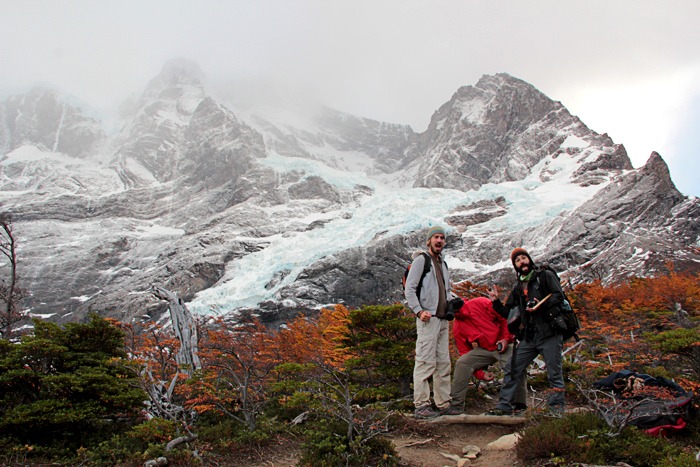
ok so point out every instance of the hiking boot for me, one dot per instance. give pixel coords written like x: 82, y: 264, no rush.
x: 519, y: 409
x: 499, y: 412
x: 425, y: 412
x: 451, y: 410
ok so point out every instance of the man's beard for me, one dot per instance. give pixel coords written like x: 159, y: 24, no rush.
x: 521, y: 270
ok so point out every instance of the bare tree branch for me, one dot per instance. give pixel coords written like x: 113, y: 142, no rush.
x: 10, y: 292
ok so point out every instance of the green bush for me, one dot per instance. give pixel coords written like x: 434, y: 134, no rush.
x: 118, y: 450
x: 552, y: 438
x: 14, y: 453
x: 154, y: 431
x: 685, y: 459
x: 326, y: 445
x: 61, y: 388
x: 635, y: 447
x: 382, y: 340
x: 586, y: 438
x: 144, y: 441
x: 223, y: 433
x: 681, y: 343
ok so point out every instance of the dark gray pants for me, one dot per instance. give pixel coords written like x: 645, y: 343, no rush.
x: 525, y: 353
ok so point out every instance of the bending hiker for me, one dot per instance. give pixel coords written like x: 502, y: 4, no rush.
x: 427, y: 296
x: 482, y: 339
x: 535, y: 329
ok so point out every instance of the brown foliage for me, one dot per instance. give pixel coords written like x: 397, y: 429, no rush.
x: 614, y: 317
x: 307, y: 340
x: 468, y: 290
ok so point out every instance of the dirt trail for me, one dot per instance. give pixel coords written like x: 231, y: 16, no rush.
x: 420, y: 444
x: 450, y: 439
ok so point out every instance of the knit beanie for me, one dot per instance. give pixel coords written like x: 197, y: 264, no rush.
x: 434, y: 231
x: 520, y: 251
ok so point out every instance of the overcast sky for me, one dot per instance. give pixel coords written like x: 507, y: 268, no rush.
x: 628, y: 68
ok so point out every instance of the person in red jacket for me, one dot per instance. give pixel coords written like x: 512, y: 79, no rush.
x: 460, y: 331
x: 482, y: 339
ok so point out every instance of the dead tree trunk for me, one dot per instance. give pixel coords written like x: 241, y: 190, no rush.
x: 185, y: 328
x: 10, y: 292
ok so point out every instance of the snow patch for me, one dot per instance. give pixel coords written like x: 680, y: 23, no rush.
x: 28, y: 153
x: 473, y: 111
x: 573, y: 141
x: 41, y: 315
x: 82, y: 298
x: 140, y: 171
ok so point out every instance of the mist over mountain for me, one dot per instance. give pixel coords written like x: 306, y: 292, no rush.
x: 240, y: 205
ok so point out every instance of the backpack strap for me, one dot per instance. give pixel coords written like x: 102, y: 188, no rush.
x: 426, y: 270
x: 545, y: 290
x: 543, y: 270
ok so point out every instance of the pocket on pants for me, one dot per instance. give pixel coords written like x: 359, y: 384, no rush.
x: 425, y: 345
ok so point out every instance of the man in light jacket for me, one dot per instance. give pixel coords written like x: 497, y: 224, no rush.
x: 427, y: 296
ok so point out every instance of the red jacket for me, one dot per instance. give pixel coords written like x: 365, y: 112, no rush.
x: 478, y: 322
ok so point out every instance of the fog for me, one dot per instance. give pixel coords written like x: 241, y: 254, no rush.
x: 628, y: 68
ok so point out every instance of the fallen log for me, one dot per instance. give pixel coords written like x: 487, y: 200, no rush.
x: 478, y: 419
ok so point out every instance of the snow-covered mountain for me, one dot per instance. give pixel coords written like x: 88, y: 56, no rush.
x: 276, y: 210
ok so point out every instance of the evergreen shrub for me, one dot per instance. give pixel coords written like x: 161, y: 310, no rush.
x: 326, y: 445
x: 586, y: 438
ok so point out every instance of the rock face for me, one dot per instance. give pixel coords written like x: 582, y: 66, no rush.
x: 259, y: 212
x: 180, y: 134
x: 499, y: 130
x: 43, y: 119
x: 637, y: 223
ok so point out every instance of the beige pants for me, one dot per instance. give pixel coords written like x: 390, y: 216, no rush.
x: 432, y: 359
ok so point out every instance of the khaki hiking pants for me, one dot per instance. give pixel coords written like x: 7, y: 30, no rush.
x: 432, y: 359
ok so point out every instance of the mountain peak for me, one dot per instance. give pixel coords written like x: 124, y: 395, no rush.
x: 657, y: 168
x: 181, y: 71
x: 501, y: 128
x: 177, y: 74
x: 498, y: 80
x: 656, y: 162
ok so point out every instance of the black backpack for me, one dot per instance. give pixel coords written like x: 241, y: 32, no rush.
x: 426, y: 269
x: 566, y: 323
x: 629, y: 401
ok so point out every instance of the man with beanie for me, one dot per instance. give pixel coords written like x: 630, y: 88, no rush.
x: 482, y: 339
x: 429, y: 303
x: 535, y: 332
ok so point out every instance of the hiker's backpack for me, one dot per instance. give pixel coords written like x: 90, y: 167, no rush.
x: 569, y: 325
x: 636, y: 399
x: 426, y: 269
